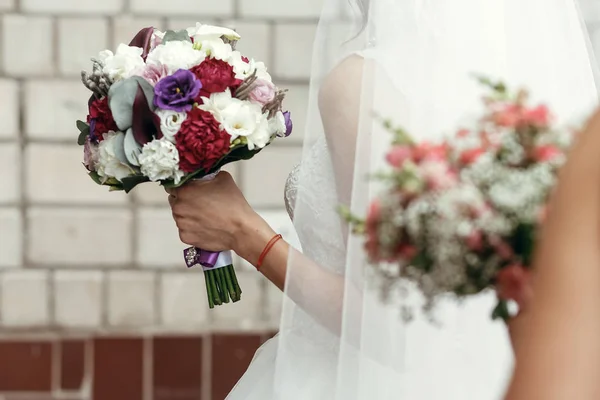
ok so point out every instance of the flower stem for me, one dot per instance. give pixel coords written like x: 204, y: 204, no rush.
x: 211, y: 303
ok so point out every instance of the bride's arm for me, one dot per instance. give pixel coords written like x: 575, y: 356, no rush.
x: 316, y: 289
x: 559, y: 356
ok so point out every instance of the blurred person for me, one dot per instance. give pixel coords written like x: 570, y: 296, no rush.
x: 410, y: 60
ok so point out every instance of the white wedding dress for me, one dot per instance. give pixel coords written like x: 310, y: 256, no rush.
x: 418, y: 58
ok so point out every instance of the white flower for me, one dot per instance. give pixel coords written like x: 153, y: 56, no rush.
x: 218, y: 102
x: 159, y: 160
x: 239, y: 118
x: 241, y: 68
x: 170, y: 122
x: 176, y: 55
x: 215, y: 48
x: 111, y: 157
x: 277, y: 124
x: 123, y: 63
x: 261, y: 70
x: 202, y: 32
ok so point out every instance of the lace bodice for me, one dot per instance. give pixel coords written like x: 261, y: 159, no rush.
x: 311, y: 201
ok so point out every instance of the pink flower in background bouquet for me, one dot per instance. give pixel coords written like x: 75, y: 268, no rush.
x: 462, y: 215
x: 174, y: 106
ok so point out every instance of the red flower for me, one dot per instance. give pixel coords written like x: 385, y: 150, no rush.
x: 468, y: 157
x: 216, y: 76
x: 372, y: 225
x: 200, y: 141
x: 100, y: 119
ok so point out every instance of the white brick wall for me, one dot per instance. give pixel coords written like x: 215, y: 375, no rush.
x: 73, y: 255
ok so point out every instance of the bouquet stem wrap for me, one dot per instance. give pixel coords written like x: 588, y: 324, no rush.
x: 221, y: 282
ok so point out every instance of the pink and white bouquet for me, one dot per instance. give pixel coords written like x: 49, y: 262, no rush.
x: 174, y: 106
x: 462, y: 215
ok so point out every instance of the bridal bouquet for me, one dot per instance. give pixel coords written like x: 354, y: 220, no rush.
x: 461, y: 216
x: 174, y: 106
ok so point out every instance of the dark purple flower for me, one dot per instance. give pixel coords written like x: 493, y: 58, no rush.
x: 177, y: 92
x: 288, y: 123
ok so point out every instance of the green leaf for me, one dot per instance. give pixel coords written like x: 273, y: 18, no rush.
x: 84, y: 132
x: 95, y: 177
x: 523, y: 242
x: 132, y: 181
x: 181, y: 35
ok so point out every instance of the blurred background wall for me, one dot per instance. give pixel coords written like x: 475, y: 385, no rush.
x: 95, y: 300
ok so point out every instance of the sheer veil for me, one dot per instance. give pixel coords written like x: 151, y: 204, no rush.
x: 411, y: 61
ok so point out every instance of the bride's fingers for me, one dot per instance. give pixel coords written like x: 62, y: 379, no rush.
x: 172, y: 200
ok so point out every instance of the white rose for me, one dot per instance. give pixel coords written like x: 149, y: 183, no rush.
x: 176, y: 55
x: 202, y: 32
x: 277, y: 124
x: 123, y: 63
x: 110, y: 162
x: 215, y: 48
x: 159, y: 160
x: 170, y: 122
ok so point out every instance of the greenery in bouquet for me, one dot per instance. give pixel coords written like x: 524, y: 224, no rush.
x: 462, y: 215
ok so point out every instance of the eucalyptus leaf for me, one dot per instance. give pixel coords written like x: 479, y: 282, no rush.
x: 95, y: 177
x: 132, y: 181
x: 82, y: 138
x: 132, y: 148
x: 178, y: 36
x: 84, y: 132
x: 121, y: 97
x: 82, y: 126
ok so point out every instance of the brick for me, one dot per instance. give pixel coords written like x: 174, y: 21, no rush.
x: 73, y: 7
x: 126, y: 26
x: 248, y: 311
x: 177, y: 368
x: 179, y: 23
x: 65, y: 179
x: 18, y: 33
x: 11, y: 237
x: 293, y: 62
x: 7, y: 5
x: 130, y: 298
x: 26, y: 366
x: 78, y: 298
x: 255, y: 42
x: 25, y: 299
x: 75, y: 49
x: 58, y: 105
x: 82, y: 236
x: 278, y: 9
x: 296, y: 101
x: 156, y: 226
x: 269, y: 193
x: 9, y: 112
x: 183, y: 300
x: 183, y: 7
x: 72, y: 364
x: 10, y: 164
x: 118, y: 369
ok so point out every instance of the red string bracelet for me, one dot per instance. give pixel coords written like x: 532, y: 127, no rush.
x: 268, y: 248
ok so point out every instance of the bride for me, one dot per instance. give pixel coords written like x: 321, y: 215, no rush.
x: 410, y: 61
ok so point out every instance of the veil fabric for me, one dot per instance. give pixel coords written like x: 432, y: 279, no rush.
x: 411, y: 61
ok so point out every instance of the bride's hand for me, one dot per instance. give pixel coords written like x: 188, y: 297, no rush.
x: 214, y: 215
